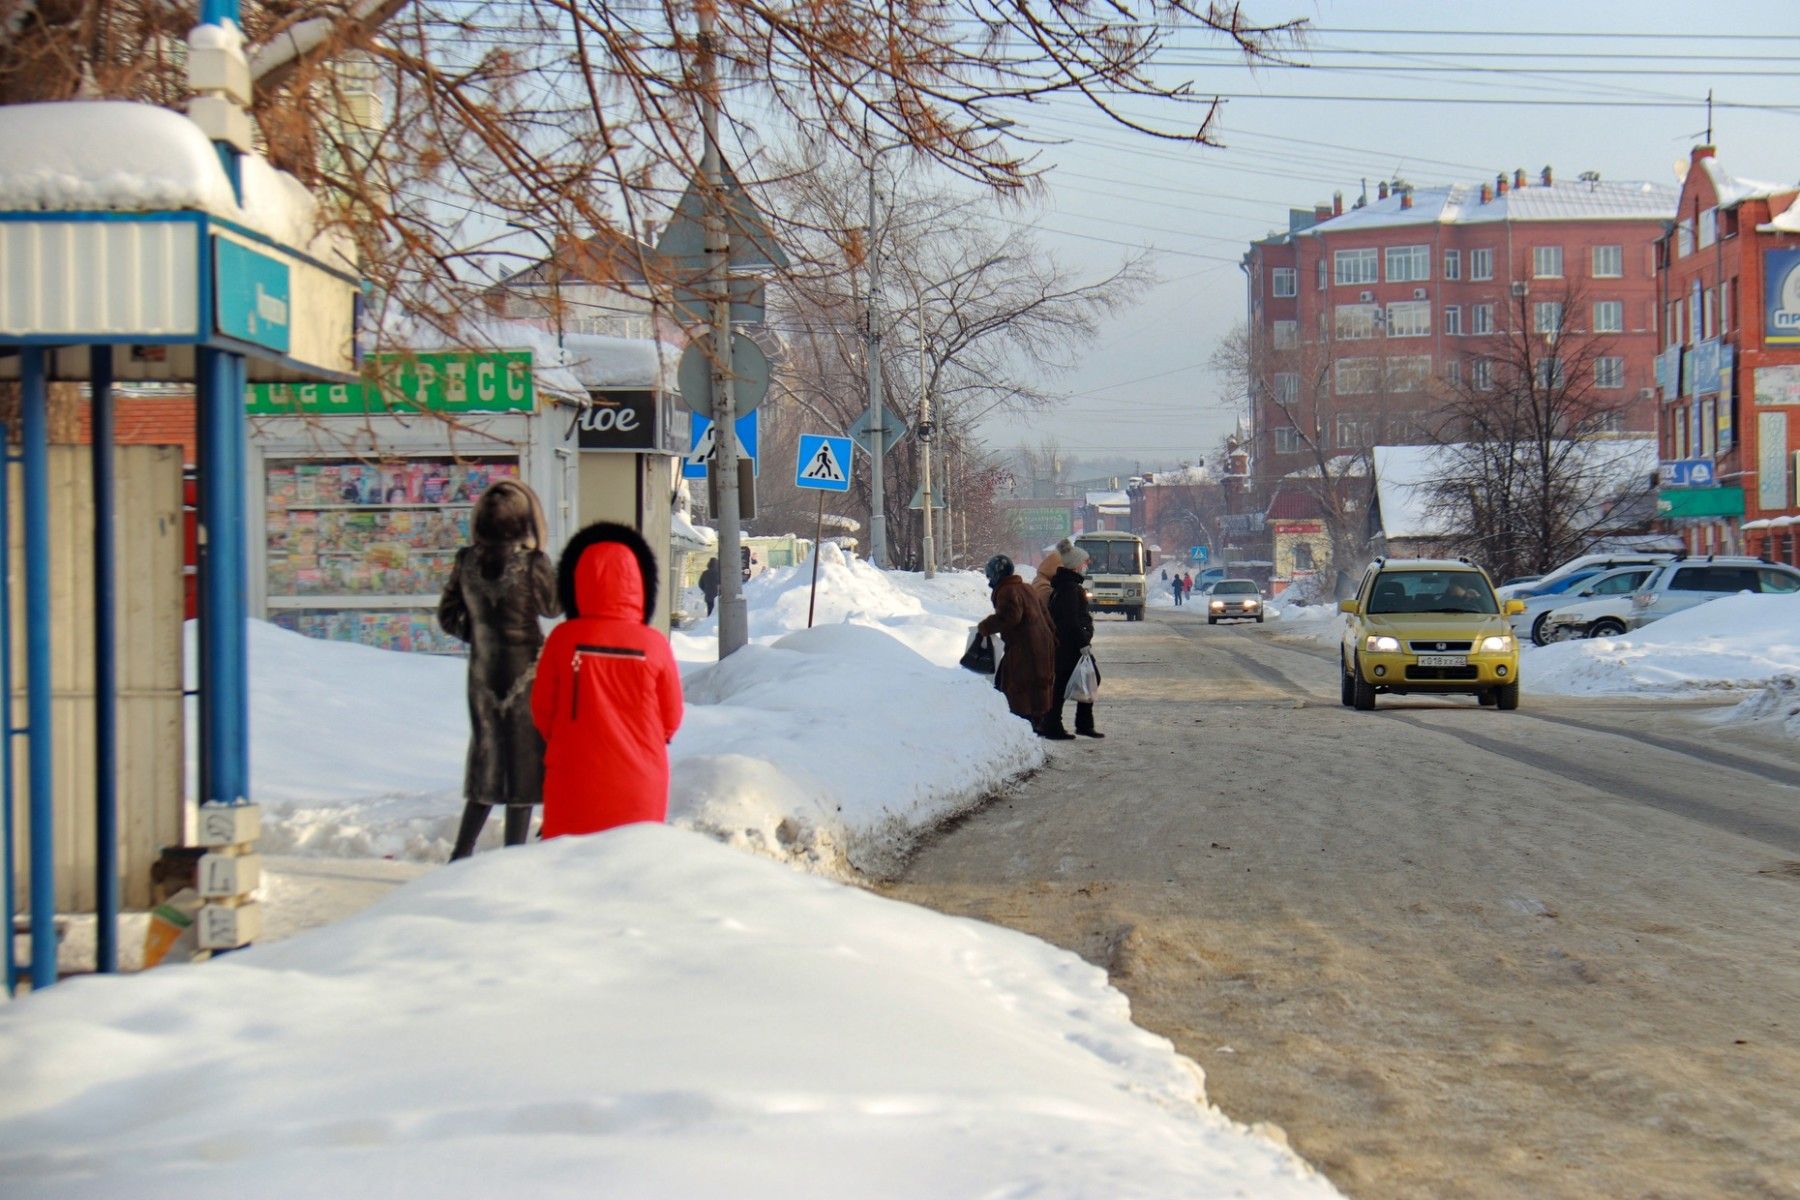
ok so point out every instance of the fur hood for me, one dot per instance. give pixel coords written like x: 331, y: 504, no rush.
x: 605, y: 533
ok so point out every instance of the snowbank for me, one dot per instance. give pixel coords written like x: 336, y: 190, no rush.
x: 831, y: 747
x: 1776, y: 708
x: 1742, y: 641
x: 642, y: 1013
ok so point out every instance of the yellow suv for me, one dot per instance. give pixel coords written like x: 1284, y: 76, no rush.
x: 1429, y: 625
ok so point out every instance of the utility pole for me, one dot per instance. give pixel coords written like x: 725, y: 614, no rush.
x: 878, y: 553
x: 734, y: 620
x: 929, y: 550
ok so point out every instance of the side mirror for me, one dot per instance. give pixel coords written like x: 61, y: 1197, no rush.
x: 1514, y: 607
x: 1349, y: 606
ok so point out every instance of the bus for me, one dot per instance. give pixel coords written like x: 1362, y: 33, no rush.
x: 1116, y: 568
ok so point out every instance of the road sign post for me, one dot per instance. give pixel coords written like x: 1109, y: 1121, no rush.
x: 822, y: 465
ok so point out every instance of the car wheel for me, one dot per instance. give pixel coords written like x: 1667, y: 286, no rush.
x: 1212, y: 620
x: 1347, y: 689
x: 1606, y: 627
x: 1486, y: 697
x: 1537, y: 629
x: 1506, y: 697
x: 1259, y: 618
x: 1362, y: 692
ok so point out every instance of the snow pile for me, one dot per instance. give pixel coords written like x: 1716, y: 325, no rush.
x: 110, y: 155
x: 641, y: 1013
x: 1776, y: 707
x: 1743, y: 641
x: 838, y: 743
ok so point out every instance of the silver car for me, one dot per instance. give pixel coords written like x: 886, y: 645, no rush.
x: 1686, y: 582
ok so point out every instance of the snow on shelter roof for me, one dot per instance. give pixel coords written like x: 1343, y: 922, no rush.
x: 118, y: 156
x: 1404, y: 476
x: 1460, y: 204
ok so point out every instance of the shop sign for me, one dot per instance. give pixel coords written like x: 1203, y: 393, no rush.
x: 1772, y: 461
x: 619, y: 421
x: 1727, y: 396
x: 1700, y: 502
x: 1777, y: 385
x: 1298, y: 527
x: 1041, y: 525
x: 1781, y: 297
x: 451, y: 381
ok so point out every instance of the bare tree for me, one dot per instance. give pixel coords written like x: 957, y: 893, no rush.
x: 1532, y: 468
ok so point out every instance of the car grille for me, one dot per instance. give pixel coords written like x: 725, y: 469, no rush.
x: 1439, y: 647
x: 1442, y: 673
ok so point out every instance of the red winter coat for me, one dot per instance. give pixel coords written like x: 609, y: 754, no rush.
x: 607, y: 699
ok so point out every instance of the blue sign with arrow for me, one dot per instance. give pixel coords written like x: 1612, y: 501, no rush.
x: 823, y: 463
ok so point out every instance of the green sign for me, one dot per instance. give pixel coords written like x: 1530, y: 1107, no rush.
x: 250, y: 295
x: 451, y: 381
x: 1042, y: 524
x: 1700, y: 502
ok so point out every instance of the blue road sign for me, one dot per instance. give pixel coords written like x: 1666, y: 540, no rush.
x: 1200, y: 553
x: 700, y: 443
x: 823, y: 463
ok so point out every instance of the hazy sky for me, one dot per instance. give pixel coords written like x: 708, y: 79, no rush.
x: 1378, y: 110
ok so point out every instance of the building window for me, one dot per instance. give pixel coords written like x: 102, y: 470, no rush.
x: 1684, y: 238
x: 1355, y: 322
x: 1321, y: 266
x: 1453, y: 372
x: 1357, y: 376
x: 1549, y: 372
x: 1609, y: 371
x: 1354, y: 266
x: 1453, y: 319
x: 1353, y: 432
x: 1546, y: 262
x: 1481, y: 264
x: 1696, y: 320
x: 1408, y: 264
x: 1453, y: 264
x: 1409, y: 318
x: 1546, y: 316
x: 1709, y: 317
x: 1725, y: 290
x: 1481, y: 318
x: 1287, y: 335
x: 1609, y: 317
x: 1410, y: 372
x: 1709, y: 228
x: 1674, y: 321
x: 1481, y: 374
x: 1287, y: 440
x: 1609, y: 262
x: 1286, y: 281
x: 1287, y: 387
x: 1303, y: 558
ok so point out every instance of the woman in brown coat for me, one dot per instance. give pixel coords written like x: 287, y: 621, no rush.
x: 1027, y: 671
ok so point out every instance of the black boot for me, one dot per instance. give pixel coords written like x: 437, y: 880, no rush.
x: 475, y: 815
x: 1084, y: 721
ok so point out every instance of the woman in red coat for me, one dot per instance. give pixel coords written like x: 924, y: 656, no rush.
x: 608, y: 694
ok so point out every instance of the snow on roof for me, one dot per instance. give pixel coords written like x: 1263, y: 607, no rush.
x: 1460, y: 204
x: 117, y: 156
x: 1404, y: 476
x: 1180, y: 476
x: 599, y: 361
x: 1733, y: 191
x: 1108, y: 499
x: 1783, y: 222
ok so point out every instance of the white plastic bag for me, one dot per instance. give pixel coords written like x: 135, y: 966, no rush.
x: 1084, y: 684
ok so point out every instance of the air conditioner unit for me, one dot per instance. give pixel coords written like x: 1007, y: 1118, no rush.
x: 1365, y: 297
x: 1418, y: 293
x: 1646, y: 393
x: 1520, y: 287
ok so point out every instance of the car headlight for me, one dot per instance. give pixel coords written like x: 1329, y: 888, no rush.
x: 1643, y: 600
x: 1498, y: 643
x: 1218, y: 604
x: 1382, y: 645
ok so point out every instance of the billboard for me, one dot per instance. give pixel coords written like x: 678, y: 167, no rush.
x: 1781, y: 297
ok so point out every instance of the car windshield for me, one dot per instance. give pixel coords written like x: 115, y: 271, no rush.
x: 1431, y: 592
x: 1234, y: 587
x: 1111, y: 557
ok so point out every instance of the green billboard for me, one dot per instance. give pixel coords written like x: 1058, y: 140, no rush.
x: 449, y: 381
x: 1700, y: 502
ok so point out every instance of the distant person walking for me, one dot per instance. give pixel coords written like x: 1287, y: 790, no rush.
x: 1074, y: 626
x: 709, y: 584
x: 498, y: 588
x: 608, y: 694
x: 1175, y: 586
x: 1027, y: 669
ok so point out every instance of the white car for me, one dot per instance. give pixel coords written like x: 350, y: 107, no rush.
x: 1687, y: 582
x: 1587, y: 564
x: 1599, y: 608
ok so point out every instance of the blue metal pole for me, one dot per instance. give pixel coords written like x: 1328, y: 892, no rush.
x: 106, y: 697
x: 35, y: 442
x: 224, y: 673
x: 8, y: 879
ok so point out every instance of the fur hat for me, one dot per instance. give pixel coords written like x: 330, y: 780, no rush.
x: 1075, y: 558
x: 997, y: 569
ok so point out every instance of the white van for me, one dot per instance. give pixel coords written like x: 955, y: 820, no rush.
x: 1115, y: 570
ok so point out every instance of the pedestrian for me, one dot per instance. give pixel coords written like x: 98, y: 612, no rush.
x: 1074, y: 626
x: 1027, y: 669
x: 608, y: 693
x: 499, y: 586
x: 1175, y: 586
x: 709, y: 584
x: 1048, y: 568
x: 1187, y: 585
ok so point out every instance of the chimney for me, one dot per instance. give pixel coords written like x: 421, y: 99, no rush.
x: 1406, y: 198
x: 1700, y: 152
x: 1321, y: 212
x: 1337, y: 204
x: 1487, y: 193
x: 1500, y: 184
x: 1381, y: 190
x: 1546, y: 175
x: 1518, y: 179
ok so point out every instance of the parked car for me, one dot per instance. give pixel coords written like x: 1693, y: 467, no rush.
x: 1428, y: 625
x: 1530, y: 621
x: 1234, y: 600
x: 1599, y: 607
x: 1687, y: 582
x: 1586, y: 564
x: 1518, y: 580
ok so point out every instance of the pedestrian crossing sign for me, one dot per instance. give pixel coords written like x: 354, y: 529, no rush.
x: 823, y: 463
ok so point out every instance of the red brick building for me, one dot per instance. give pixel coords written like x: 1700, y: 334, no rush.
x: 1729, y: 284
x: 1358, y: 317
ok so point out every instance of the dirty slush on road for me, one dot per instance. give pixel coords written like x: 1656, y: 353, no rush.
x: 1443, y: 972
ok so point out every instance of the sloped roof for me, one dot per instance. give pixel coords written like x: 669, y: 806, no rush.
x: 1460, y: 204
x: 1733, y: 191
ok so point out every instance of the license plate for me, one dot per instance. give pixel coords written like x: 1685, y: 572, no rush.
x: 1443, y: 660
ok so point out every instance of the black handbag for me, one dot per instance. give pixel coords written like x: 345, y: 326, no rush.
x: 979, y: 657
